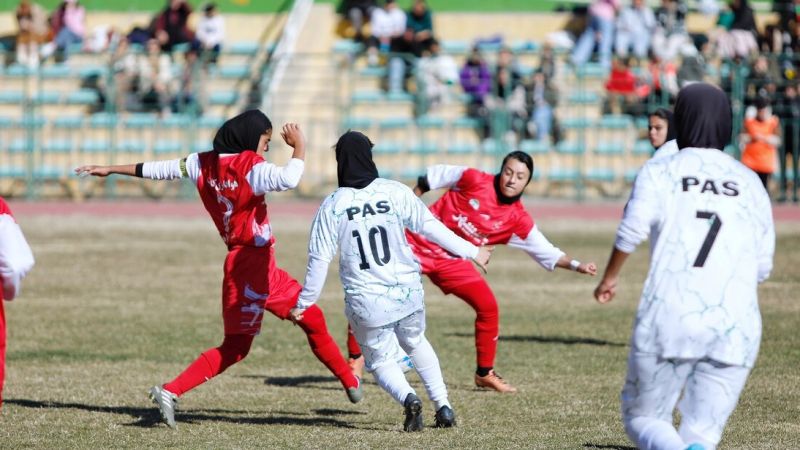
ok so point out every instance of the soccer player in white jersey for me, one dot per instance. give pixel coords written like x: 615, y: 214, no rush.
x: 366, y: 217
x: 698, y: 326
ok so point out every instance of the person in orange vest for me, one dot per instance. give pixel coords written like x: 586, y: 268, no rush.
x: 761, y: 137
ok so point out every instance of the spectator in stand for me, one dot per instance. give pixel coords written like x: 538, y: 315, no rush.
x: 69, y: 26
x: 387, y: 23
x: 437, y: 73
x: 508, y: 93
x: 542, y: 98
x: 762, y: 81
x: 624, y: 91
x: 123, y: 64
x: 419, y: 19
x: 32, y: 23
x: 693, y: 63
x: 403, y: 53
x: 761, y: 138
x: 788, y: 110
x: 635, y: 25
x: 171, y: 25
x: 739, y: 40
x: 670, y: 34
x: 356, y: 12
x: 154, y: 78
x: 476, y: 80
x: 211, y: 33
x: 600, y: 31
x: 661, y: 78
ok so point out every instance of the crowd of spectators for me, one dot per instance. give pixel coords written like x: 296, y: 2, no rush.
x: 151, y: 65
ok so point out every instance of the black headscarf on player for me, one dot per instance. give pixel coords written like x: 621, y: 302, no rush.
x: 354, y: 165
x: 241, y: 133
x: 521, y: 157
x: 703, y: 117
x: 667, y: 115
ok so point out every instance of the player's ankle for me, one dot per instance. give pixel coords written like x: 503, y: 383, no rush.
x: 483, y: 371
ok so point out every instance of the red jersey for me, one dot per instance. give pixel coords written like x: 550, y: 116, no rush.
x: 472, y: 210
x: 240, y: 215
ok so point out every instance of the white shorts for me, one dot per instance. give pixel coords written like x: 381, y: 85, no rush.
x: 710, y: 393
x: 379, y: 344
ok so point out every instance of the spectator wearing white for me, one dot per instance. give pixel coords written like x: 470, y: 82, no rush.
x: 437, y: 72
x: 155, y: 77
x: 740, y: 39
x: 386, y: 24
x: 670, y: 35
x: 635, y: 25
x: 211, y: 32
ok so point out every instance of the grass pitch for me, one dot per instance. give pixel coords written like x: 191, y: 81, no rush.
x: 115, y: 306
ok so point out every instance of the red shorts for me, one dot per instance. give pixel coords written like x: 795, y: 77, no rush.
x: 449, y: 274
x: 245, y: 287
x: 283, y: 290
x: 252, y: 283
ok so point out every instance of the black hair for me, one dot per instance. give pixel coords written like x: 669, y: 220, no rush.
x: 521, y: 157
x: 762, y: 102
x: 661, y: 113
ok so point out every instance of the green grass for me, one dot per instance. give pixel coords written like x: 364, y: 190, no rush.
x: 114, y: 306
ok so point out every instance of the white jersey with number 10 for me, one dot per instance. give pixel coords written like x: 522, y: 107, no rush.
x: 379, y: 273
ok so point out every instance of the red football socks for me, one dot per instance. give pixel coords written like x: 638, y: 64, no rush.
x: 211, y: 363
x: 324, y: 347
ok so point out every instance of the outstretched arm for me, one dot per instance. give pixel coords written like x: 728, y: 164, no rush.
x: 104, y: 171
x: 607, y: 289
x: 169, y: 169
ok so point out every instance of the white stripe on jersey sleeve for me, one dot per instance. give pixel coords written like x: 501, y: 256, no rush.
x: 267, y: 177
x: 172, y: 169
x: 641, y: 212
x: 538, y: 247
x: 444, y: 176
x: 16, y: 258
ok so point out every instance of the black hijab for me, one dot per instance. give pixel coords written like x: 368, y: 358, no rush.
x: 703, y: 117
x: 672, y: 133
x: 242, y: 132
x: 354, y: 165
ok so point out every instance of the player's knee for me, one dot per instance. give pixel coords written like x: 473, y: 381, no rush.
x: 235, y: 347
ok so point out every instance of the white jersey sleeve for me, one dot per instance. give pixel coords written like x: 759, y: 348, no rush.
x: 421, y: 220
x: 267, y: 177
x: 172, y: 169
x: 641, y: 212
x: 538, y: 247
x: 322, y: 248
x: 16, y: 258
x: 444, y: 176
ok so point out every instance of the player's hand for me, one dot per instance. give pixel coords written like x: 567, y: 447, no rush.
x: 296, y: 315
x: 482, y: 258
x: 293, y: 135
x: 588, y: 268
x: 606, y: 290
x: 97, y: 171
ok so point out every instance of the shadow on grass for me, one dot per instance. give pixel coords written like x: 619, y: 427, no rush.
x: 150, y: 417
x: 610, y: 447
x: 566, y: 340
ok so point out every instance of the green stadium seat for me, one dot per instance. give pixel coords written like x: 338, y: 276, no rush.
x: 95, y: 146
x: 455, y: 47
x: 19, y: 71
x: 601, y: 174
x: 176, y: 121
x: 83, y: 97
x: 241, y: 48
x: 610, y: 148
x: 563, y: 175
x: 630, y: 175
x: 525, y: 47
x: 424, y: 148
x: 642, y: 147
x: 46, y: 98
x: 534, y: 147
x: 591, y: 70
x: 393, y: 123
x: 583, y: 98
x: 347, y: 46
x: 135, y: 146
x: 225, y: 98
x: 367, y: 97
x: 570, y: 148
x: 373, y: 71
x: 357, y: 123
x: 387, y: 148
x: 576, y: 123
x: 11, y: 97
x: 209, y: 122
x: 140, y: 121
x: 167, y: 146
x: 430, y: 122
x: 103, y: 120
x: 58, y: 145
x: 233, y: 72
x: 616, y: 121
x: 55, y: 71
x: 462, y: 148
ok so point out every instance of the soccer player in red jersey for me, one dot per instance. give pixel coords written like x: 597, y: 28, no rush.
x: 16, y: 260
x: 484, y: 209
x: 232, y: 180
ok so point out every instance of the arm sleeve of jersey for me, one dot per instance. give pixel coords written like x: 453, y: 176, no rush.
x: 164, y: 170
x: 767, y: 242
x: 641, y: 211
x: 322, y: 248
x: 538, y: 247
x: 420, y: 220
x: 266, y: 177
x: 16, y: 258
x: 444, y: 176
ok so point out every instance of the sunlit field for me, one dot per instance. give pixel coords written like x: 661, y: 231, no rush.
x: 116, y: 305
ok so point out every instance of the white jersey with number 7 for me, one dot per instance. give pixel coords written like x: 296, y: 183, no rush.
x: 379, y: 273
x: 712, y: 238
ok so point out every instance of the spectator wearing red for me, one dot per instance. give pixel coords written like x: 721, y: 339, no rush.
x: 171, y: 25
x: 761, y: 137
